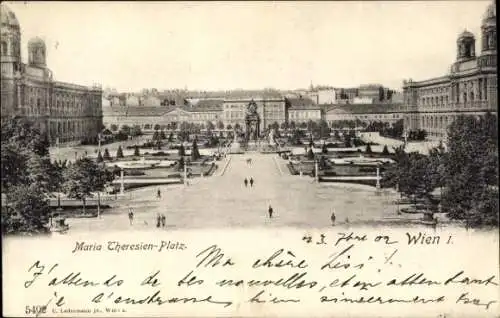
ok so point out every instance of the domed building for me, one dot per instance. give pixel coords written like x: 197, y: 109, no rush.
x: 470, y: 88
x: 65, y: 112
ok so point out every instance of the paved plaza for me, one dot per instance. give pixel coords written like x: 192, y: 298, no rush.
x: 224, y: 201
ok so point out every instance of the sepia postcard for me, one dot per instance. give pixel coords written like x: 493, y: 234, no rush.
x: 249, y: 159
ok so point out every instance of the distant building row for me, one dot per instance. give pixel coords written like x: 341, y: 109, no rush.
x: 271, y: 108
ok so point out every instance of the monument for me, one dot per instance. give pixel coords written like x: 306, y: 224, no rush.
x: 252, y: 123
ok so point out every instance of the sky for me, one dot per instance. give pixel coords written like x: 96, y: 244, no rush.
x: 251, y: 45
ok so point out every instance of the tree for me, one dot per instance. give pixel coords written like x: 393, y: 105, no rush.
x: 385, y: 151
x: 237, y: 127
x: 156, y: 135
x: 210, y: 126
x: 324, y: 149
x: 229, y: 127
x: 195, y: 153
x: 156, y: 127
x: 84, y: 177
x: 170, y: 137
x: 119, y: 152
x: 419, y: 183
x: 162, y: 135
x: 368, y: 149
x: 99, y: 157
x: 114, y: 128
x: 337, y: 135
x: 125, y: 129
x: 27, y: 210
x: 471, y: 170
x: 181, y: 163
x: 347, y: 141
x: 324, y: 130
x: 182, y: 151
x: 220, y: 125
x: 137, y: 151
x: 107, y: 156
x: 136, y: 131
x: 310, y: 154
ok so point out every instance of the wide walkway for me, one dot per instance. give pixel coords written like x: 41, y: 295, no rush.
x: 224, y: 201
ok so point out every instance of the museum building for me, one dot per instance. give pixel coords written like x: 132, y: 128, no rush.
x: 470, y: 88
x: 66, y: 112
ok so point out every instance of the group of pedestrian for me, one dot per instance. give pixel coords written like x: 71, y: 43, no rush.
x: 247, y: 181
x: 161, y: 220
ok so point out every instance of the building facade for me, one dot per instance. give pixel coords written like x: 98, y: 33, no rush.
x: 470, y: 88
x: 301, y: 110
x: 65, y: 112
x: 366, y: 113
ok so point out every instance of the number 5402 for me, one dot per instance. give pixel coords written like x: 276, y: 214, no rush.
x: 34, y: 310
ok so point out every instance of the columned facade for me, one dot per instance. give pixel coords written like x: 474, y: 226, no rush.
x: 65, y: 112
x: 469, y: 89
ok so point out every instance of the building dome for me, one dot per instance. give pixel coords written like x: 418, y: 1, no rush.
x: 490, y: 13
x: 8, y: 17
x: 466, y: 35
x: 36, y: 42
x: 37, y: 52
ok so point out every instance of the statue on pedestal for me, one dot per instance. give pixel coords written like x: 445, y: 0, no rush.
x: 252, y: 122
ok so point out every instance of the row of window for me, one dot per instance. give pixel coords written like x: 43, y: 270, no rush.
x: 371, y: 117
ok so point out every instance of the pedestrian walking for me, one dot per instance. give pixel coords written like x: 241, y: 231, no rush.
x: 270, y: 211
x: 251, y: 182
x: 333, y: 217
x: 158, y: 194
x: 131, y: 216
x: 158, y: 220
x: 245, y: 182
x: 163, y: 220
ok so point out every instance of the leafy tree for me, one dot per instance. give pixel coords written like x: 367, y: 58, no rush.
x: 323, y: 128
x: 170, y: 137
x: 162, y: 135
x: 210, y: 126
x: 368, y: 149
x: 337, y: 135
x: 195, y: 153
x: 181, y: 163
x: 156, y: 135
x: 136, y: 151
x: 237, y: 126
x: 182, y: 151
x: 125, y: 129
x: 310, y: 154
x: 136, y: 131
x: 220, y: 125
x: 229, y: 127
x: 156, y: 127
x: 114, y: 128
x: 84, y: 177
x: 99, y: 157
x: 119, y: 152
x: 385, y: 151
x: 107, y: 156
x: 347, y: 141
x: 27, y: 210
x: 324, y: 149
x: 471, y: 170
